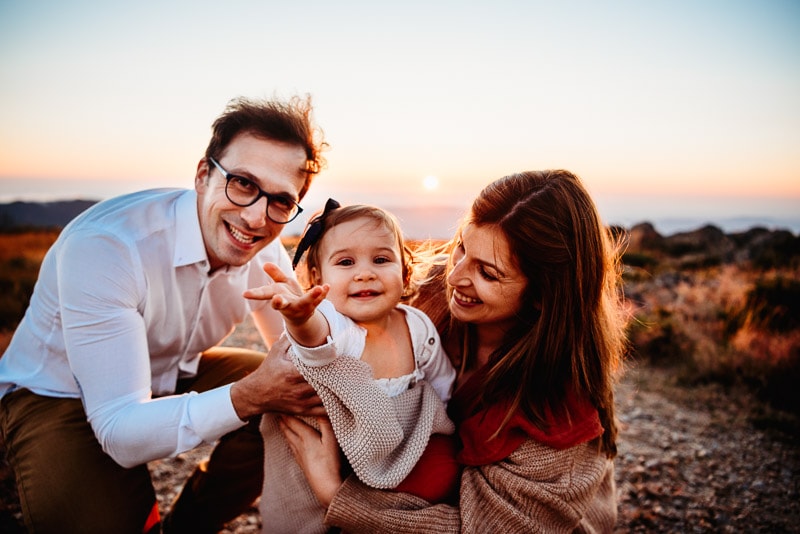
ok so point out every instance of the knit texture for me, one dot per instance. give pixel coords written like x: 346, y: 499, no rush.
x: 536, y: 489
x: 287, y: 505
x: 381, y: 436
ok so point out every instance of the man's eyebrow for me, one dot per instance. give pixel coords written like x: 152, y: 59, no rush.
x: 256, y: 180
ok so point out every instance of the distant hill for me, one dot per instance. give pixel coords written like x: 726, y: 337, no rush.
x: 20, y: 215
x: 709, y: 245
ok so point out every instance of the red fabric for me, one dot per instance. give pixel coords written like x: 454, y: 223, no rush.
x: 476, y: 426
x: 437, y: 474
x: 153, y: 519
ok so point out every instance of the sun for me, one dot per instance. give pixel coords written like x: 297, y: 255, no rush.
x: 430, y: 183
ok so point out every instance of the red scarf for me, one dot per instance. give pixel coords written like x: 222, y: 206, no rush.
x: 476, y: 425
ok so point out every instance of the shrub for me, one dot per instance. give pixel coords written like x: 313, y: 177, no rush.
x: 774, y: 305
x: 639, y: 259
x: 17, y: 278
x: 723, y: 324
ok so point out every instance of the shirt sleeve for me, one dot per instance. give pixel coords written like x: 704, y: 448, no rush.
x: 345, y: 338
x: 100, y: 290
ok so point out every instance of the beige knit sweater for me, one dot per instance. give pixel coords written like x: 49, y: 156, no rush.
x: 381, y: 436
x: 535, y: 489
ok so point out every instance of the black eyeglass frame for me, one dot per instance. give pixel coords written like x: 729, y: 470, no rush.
x: 261, y: 193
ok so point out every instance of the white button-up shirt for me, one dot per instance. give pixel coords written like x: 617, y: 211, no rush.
x: 123, y: 307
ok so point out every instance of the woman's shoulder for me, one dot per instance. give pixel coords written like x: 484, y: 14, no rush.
x: 549, y: 489
x: 582, y: 461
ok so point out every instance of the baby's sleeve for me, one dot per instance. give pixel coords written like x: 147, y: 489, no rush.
x: 346, y: 338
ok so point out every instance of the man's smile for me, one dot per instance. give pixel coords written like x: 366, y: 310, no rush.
x: 240, y: 236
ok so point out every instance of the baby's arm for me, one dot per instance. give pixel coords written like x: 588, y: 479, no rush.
x: 303, y: 321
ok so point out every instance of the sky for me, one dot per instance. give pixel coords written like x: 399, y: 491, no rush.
x: 689, y: 102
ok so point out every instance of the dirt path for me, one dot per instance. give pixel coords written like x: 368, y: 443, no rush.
x: 695, y: 460
x: 690, y: 460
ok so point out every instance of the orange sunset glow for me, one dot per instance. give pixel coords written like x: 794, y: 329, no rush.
x: 421, y: 104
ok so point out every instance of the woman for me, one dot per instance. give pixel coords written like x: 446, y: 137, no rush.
x: 536, y: 331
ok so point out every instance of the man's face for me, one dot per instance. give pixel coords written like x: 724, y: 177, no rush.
x: 234, y: 234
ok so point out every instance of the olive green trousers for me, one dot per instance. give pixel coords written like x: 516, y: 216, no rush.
x: 67, y: 483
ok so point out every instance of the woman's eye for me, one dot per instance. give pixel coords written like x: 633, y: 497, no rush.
x: 487, y: 275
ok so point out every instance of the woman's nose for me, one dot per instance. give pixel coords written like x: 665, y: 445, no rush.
x: 458, y: 274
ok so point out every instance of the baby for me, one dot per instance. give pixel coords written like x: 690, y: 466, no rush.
x: 377, y: 365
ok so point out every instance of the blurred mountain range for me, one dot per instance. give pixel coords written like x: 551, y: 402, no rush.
x: 421, y: 222
x: 27, y: 215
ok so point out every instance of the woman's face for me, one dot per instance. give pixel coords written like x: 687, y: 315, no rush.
x: 487, y: 284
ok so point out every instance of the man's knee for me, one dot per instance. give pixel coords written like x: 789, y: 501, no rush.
x: 220, y: 366
x: 66, y: 482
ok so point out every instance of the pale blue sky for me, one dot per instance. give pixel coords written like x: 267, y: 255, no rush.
x: 666, y: 97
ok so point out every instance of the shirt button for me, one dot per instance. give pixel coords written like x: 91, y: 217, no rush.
x: 431, y: 341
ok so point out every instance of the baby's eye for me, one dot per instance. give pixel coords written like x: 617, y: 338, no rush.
x: 382, y: 259
x: 345, y: 262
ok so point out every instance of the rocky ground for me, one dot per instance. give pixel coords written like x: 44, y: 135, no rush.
x: 699, y: 459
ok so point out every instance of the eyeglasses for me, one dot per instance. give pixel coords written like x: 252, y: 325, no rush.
x: 244, y: 192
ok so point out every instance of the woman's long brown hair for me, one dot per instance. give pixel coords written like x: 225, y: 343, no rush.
x: 570, y: 336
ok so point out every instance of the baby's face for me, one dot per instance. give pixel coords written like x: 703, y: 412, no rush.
x: 362, y: 263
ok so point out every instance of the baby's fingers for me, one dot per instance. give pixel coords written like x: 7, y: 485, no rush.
x: 274, y: 272
x: 259, y: 293
x: 279, y: 302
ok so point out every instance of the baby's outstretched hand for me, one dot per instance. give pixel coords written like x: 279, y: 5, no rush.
x: 287, y: 296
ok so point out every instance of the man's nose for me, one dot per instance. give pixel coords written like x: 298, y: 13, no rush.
x: 255, y: 215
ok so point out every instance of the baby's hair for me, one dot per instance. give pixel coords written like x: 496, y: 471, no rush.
x: 380, y: 217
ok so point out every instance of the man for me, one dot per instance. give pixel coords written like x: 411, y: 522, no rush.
x: 116, y: 361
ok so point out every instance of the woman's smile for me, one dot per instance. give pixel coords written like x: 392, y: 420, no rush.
x: 463, y: 299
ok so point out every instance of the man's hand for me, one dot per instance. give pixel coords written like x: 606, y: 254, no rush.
x: 276, y: 386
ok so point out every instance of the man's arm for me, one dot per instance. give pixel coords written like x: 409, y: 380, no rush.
x: 101, y: 287
x: 100, y: 290
x: 276, y: 386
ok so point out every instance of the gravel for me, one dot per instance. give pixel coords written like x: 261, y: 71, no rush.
x: 691, y: 459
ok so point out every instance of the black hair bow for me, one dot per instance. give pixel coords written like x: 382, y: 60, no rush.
x: 313, y: 232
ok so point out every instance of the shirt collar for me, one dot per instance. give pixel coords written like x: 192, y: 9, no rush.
x: 189, y: 245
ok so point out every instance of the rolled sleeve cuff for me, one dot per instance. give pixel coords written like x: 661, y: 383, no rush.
x: 212, y: 414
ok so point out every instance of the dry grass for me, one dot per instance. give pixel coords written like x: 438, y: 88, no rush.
x: 30, y: 246
x: 724, y: 324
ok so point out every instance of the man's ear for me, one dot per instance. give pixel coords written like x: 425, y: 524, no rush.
x: 201, y: 176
